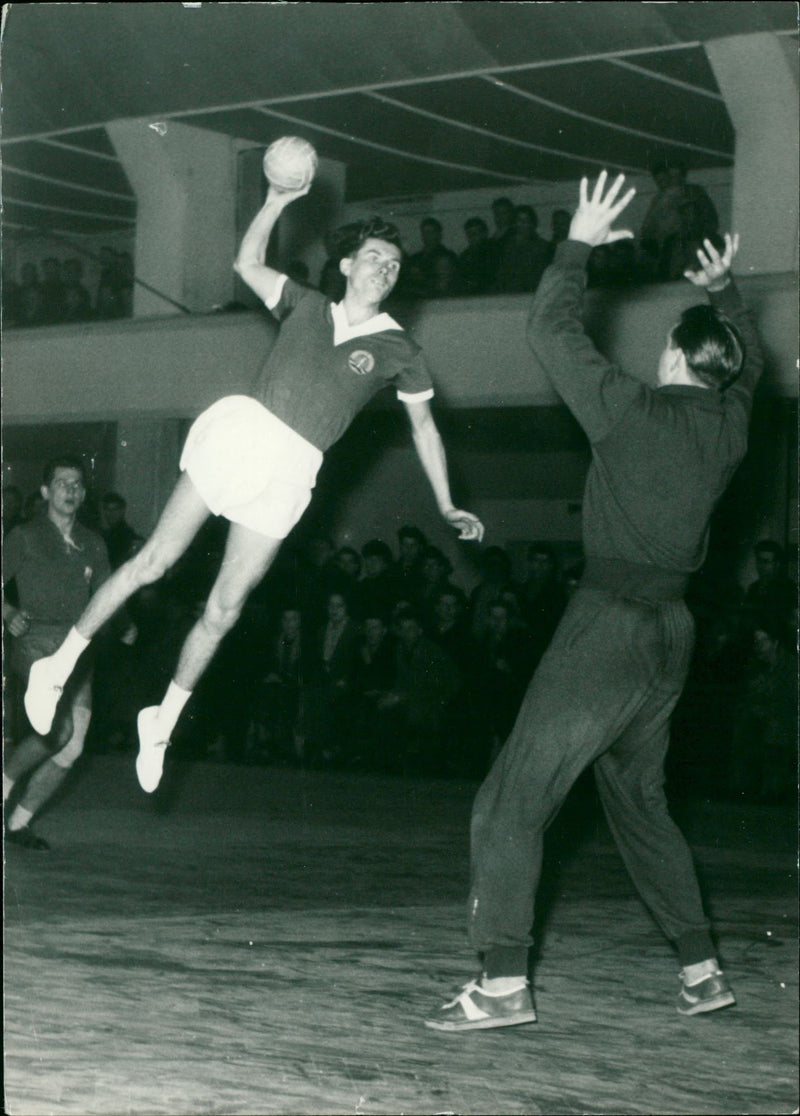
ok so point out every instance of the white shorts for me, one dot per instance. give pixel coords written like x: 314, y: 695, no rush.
x: 251, y: 467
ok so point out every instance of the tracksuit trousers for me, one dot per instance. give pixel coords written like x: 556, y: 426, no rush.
x: 603, y: 695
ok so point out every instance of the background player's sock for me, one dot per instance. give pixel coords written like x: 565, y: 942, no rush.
x: 62, y: 662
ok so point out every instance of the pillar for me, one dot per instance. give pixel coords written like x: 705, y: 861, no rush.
x: 758, y: 80
x: 147, y: 467
x: 184, y: 179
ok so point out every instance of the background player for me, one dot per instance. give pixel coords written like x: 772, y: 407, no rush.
x: 605, y: 689
x: 56, y: 564
x: 255, y: 459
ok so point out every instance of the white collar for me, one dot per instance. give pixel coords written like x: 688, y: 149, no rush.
x: 343, y: 331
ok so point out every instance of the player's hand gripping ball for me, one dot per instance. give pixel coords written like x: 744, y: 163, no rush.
x: 290, y: 163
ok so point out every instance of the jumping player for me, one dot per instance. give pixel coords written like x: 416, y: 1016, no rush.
x: 254, y: 459
x: 606, y: 687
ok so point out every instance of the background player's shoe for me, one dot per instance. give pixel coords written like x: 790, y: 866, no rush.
x: 709, y: 994
x: 27, y: 839
x: 475, y: 1009
x: 152, y: 748
x: 42, y: 696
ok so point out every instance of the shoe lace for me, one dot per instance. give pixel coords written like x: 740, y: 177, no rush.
x: 466, y: 991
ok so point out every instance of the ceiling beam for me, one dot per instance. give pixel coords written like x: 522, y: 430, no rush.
x: 600, y: 121
x: 401, y: 152
x: 8, y: 169
x: 399, y: 83
x: 665, y: 78
x: 451, y: 122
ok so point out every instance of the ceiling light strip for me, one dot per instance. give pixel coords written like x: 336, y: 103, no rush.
x: 8, y: 169
x: 666, y: 79
x: 92, y: 216
x: 451, y: 122
x: 403, y: 154
x: 661, y: 139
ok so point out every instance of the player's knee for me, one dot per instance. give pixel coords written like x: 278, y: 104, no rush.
x: 67, y: 755
x: 149, y: 565
x: 220, y: 616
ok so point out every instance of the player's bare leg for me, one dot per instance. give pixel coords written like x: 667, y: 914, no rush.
x: 247, y: 558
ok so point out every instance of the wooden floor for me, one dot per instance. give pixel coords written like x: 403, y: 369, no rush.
x: 267, y: 941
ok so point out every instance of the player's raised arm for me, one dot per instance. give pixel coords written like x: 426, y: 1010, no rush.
x: 249, y: 263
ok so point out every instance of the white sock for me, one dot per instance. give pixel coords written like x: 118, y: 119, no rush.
x: 693, y: 974
x: 19, y: 818
x: 502, y: 986
x: 8, y: 786
x: 171, y: 707
x: 62, y: 663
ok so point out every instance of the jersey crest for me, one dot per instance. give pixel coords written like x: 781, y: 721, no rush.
x: 361, y: 362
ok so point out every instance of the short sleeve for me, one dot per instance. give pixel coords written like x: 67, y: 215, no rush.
x: 286, y: 296
x: 413, y: 382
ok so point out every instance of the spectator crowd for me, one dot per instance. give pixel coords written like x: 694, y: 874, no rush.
x: 507, y: 258
x: 375, y: 659
x: 53, y: 291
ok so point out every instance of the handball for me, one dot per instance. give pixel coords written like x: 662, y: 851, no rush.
x: 290, y: 163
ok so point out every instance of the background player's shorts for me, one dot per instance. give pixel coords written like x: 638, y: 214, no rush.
x: 251, y: 467
x: 40, y: 641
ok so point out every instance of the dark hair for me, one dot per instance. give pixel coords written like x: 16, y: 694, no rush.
x: 452, y: 591
x: 661, y: 166
x: 409, y: 532
x: 503, y: 201
x: 530, y: 212
x: 439, y: 557
x: 712, y: 345
x: 768, y: 546
x: 66, y: 461
x: 543, y: 548
x: 114, y: 500
x: 475, y: 223
x: 431, y: 223
x: 377, y: 548
x: 351, y: 237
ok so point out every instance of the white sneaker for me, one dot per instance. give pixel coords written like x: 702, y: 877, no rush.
x: 42, y: 696
x: 152, y: 748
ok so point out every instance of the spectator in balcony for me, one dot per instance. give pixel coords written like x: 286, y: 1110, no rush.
x: 681, y: 216
x: 109, y: 301
x: 524, y: 257
x: 30, y: 305
x: 423, y: 264
x: 77, y: 300
x: 52, y: 291
x: 476, y: 262
x: 559, y: 224
x: 504, y: 216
